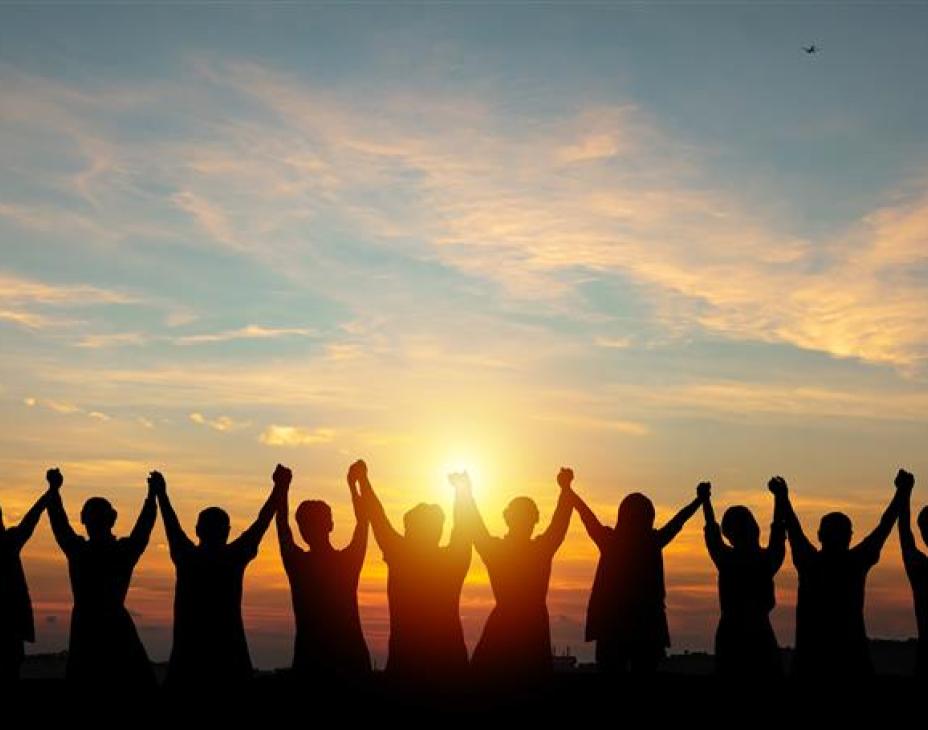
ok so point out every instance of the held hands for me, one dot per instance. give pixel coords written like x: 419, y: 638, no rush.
x: 460, y: 481
x: 54, y: 478
x: 704, y: 490
x: 905, y: 480
x: 357, y: 472
x: 282, y: 477
x: 565, y: 477
x: 777, y: 486
x: 156, y: 484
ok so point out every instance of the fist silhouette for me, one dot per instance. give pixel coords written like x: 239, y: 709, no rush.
x: 54, y: 478
x: 460, y: 480
x: 357, y: 471
x: 704, y: 490
x: 905, y: 480
x: 156, y: 482
x: 777, y: 485
x: 565, y: 477
x: 282, y: 476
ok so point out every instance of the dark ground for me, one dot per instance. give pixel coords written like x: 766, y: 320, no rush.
x: 683, y: 693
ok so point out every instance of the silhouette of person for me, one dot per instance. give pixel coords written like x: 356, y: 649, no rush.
x: 745, y: 644
x: 916, y: 565
x: 626, y: 615
x: 515, y: 645
x: 209, y: 635
x: 329, y: 643
x: 16, y: 622
x: 424, y: 581
x: 831, y: 637
x: 104, y: 645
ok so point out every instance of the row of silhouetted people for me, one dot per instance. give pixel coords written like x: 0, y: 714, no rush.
x: 626, y: 614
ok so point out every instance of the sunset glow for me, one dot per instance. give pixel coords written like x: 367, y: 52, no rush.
x: 656, y: 244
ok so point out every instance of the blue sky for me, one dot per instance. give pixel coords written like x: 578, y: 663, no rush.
x: 656, y: 241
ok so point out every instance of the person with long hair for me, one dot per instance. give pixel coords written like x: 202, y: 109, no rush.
x: 626, y: 616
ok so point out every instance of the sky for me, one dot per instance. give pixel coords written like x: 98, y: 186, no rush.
x: 657, y: 242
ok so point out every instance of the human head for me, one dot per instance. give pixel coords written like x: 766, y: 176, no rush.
x: 423, y: 524
x: 521, y: 516
x: 923, y: 523
x: 834, y: 531
x: 98, y: 517
x: 740, y: 527
x: 314, y: 518
x: 213, y: 527
x: 636, y: 514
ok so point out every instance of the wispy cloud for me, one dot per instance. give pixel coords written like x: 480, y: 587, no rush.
x: 250, y: 332
x: 220, y: 423
x: 114, y: 339
x: 29, y: 320
x: 23, y: 299
x: 65, y: 408
x: 295, y: 436
x: 603, y: 192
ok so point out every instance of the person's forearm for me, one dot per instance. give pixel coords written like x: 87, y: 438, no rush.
x: 31, y: 518
x: 282, y: 521
x: 58, y: 518
x: 146, y: 519
x: 587, y: 516
x: 708, y: 512
x: 682, y: 517
x: 172, y: 526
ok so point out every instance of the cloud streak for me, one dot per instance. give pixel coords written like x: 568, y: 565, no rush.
x: 295, y: 436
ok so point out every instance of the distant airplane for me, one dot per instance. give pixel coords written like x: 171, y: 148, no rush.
x: 810, y: 49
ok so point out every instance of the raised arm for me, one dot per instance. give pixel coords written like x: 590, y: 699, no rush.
x: 251, y: 538
x: 469, y: 512
x: 776, y: 544
x: 462, y: 530
x: 598, y: 532
x: 911, y: 555
x: 670, y: 530
x: 64, y: 534
x: 713, y: 533
x: 552, y: 538
x: 21, y: 533
x: 141, y: 532
x: 799, y: 544
x: 178, y: 542
x: 387, y: 537
x: 282, y: 521
x: 873, y: 543
x: 358, y: 545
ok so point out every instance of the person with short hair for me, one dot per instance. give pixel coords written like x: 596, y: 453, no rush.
x: 831, y: 635
x: 515, y: 646
x: 424, y: 582
x: 104, y: 645
x: 210, y: 646
x: 329, y: 642
x: 745, y: 644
